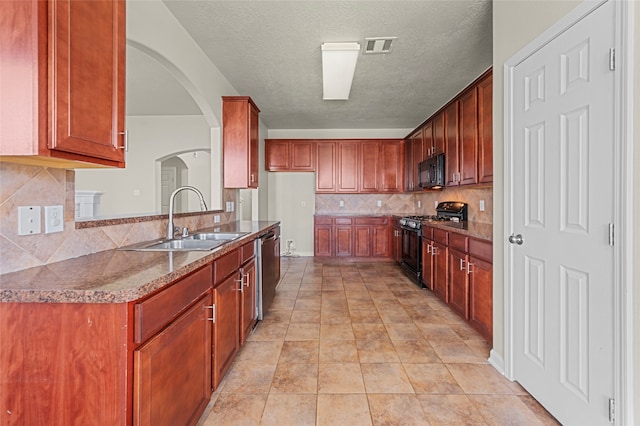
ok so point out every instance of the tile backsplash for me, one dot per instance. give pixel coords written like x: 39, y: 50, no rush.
x: 405, y: 204
x: 22, y: 185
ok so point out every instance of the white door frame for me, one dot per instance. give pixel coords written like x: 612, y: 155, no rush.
x: 625, y: 329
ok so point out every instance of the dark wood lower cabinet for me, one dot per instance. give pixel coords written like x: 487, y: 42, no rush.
x: 459, y: 270
x: 172, y: 371
x: 357, y: 236
x: 458, y: 283
x: 226, y: 332
x: 248, y: 315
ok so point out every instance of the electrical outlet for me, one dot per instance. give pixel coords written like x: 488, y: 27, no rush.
x: 53, y: 219
x: 419, y: 203
x: 481, y: 205
x: 435, y: 204
x: 29, y: 220
x: 216, y: 218
x: 341, y: 203
x: 379, y: 203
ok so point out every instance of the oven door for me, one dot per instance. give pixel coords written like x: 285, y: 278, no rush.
x: 411, y: 250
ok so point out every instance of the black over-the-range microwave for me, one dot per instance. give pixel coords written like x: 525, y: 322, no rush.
x: 431, y: 172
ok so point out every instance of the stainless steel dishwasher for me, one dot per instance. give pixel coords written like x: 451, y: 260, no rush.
x: 268, y: 269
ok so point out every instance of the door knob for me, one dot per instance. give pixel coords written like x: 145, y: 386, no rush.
x: 516, y: 239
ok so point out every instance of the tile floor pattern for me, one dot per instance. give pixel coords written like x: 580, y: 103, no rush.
x: 359, y: 344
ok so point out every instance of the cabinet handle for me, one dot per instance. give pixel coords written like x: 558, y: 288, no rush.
x: 462, y: 264
x: 247, y: 279
x: 434, y: 251
x: 241, y: 281
x: 126, y: 141
x: 469, y: 270
x: 428, y: 248
x: 213, y: 313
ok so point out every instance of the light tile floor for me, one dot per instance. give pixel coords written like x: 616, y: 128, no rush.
x: 359, y: 344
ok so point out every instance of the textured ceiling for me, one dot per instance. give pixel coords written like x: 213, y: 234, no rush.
x: 270, y: 50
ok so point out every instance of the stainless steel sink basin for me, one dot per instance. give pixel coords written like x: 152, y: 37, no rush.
x: 177, y: 245
x: 196, y: 242
x: 217, y: 236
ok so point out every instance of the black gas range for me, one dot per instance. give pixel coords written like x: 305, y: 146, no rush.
x: 453, y: 211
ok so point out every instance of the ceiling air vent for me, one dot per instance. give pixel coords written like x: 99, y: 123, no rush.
x: 378, y: 44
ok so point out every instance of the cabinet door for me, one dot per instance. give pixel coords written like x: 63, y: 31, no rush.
x: 468, y: 138
x: 254, y: 146
x: 397, y: 244
x: 416, y: 157
x: 248, y: 312
x: 440, y: 270
x: 380, y: 241
x: 343, y: 240
x: 87, y: 64
x: 226, y: 329
x: 326, y: 167
x: 458, y: 283
x: 485, y: 130
x: 276, y: 155
x: 362, y: 240
x: 369, y: 166
x: 452, y: 156
x: 481, y: 297
x: 240, y: 142
x: 302, y: 156
x: 391, y: 166
x: 427, y: 140
x: 322, y: 236
x: 348, y: 167
x: 427, y: 264
x: 408, y: 165
x: 438, y: 134
x: 172, y: 372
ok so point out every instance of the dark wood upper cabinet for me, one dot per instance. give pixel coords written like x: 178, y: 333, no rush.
x: 326, y: 167
x: 68, y: 104
x: 391, y: 166
x: 468, y: 138
x: 485, y: 130
x: 283, y: 155
x: 369, y: 166
x: 452, y: 153
x: 240, y: 142
x: 438, y: 134
x: 347, y: 167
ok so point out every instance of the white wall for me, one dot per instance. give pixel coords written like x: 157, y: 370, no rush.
x: 150, y: 138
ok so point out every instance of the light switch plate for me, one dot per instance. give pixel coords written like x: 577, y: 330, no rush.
x: 53, y: 219
x: 29, y: 220
x: 481, y: 205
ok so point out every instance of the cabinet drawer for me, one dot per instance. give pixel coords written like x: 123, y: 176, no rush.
x: 458, y: 242
x: 342, y: 220
x: 323, y: 220
x: 371, y: 220
x: 427, y: 232
x: 157, y: 311
x: 481, y: 248
x: 247, y: 251
x: 225, y: 266
x: 441, y: 236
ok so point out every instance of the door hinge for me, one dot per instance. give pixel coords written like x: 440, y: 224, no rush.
x: 611, y: 234
x: 612, y: 410
x: 612, y: 59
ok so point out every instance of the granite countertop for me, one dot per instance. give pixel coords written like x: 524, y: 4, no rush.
x: 116, y: 276
x: 473, y: 229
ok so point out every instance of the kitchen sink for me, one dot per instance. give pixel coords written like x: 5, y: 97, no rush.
x: 177, y: 245
x: 217, y: 236
x: 196, y: 242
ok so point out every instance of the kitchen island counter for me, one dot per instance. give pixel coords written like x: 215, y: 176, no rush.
x: 115, y: 276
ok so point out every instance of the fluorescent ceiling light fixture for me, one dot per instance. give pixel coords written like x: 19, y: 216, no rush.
x: 338, y: 66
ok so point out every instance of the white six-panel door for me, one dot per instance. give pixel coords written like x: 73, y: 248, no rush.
x: 560, y: 209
